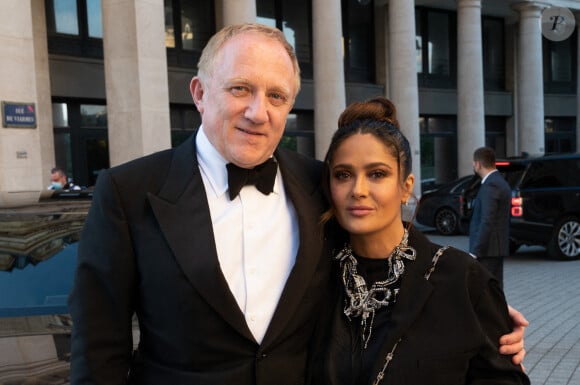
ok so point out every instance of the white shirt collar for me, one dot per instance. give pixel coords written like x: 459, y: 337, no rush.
x: 488, y: 174
x: 211, y: 163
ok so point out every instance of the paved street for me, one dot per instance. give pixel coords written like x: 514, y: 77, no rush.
x: 547, y: 292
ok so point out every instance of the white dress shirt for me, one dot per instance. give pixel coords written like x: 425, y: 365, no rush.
x: 256, y: 238
x: 486, y: 175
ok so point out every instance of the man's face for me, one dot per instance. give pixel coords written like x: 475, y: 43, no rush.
x: 246, y: 99
x: 57, y: 177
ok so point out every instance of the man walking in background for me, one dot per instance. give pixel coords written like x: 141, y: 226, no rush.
x: 489, y: 226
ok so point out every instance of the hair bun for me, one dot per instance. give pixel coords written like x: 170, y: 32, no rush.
x: 379, y: 108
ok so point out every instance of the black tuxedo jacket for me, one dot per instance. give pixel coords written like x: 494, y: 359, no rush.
x: 148, y: 248
x: 489, y: 225
x: 447, y: 328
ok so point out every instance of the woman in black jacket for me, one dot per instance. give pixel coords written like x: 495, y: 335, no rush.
x: 409, y: 311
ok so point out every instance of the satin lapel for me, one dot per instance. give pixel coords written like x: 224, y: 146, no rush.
x: 183, y: 214
x: 307, y: 203
x: 414, y: 294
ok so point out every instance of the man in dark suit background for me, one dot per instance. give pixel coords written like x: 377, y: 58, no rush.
x: 228, y: 284
x: 489, y: 225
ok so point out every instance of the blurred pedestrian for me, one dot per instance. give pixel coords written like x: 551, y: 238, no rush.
x: 59, y: 180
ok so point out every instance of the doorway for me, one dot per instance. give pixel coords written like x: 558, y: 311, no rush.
x: 81, y: 142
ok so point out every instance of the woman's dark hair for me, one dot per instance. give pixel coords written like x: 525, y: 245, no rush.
x: 377, y: 117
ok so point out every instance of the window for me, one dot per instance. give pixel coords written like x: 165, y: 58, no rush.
x: 493, y: 53
x: 80, y: 139
x: 293, y: 17
x: 543, y: 174
x: 359, y: 43
x: 438, y: 149
x: 299, y: 133
x: 560, y: 134
x: 62, y: 143
x: 438, y: 58
x: 188, y: 27
x: 560, y: 65
x: 435, y: 45
x: 66, y: 17
x: 94, y: 18
x: 184, y: 121
x: 495, y: 135
x: 75, y: 27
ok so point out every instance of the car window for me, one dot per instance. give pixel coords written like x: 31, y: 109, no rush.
x: 574, y: 172
x: 512, y: 172
x: 545, y: 173
x: 461, y: 185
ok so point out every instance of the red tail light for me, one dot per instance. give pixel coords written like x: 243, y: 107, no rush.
x: 517, y: 208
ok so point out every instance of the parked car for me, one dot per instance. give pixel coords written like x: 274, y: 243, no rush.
x: 447, y: 208
x: 545, y: 203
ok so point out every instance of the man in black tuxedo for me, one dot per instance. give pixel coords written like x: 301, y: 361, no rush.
x: 489, y: 225
x: 229, y: 283
x: 226, y: 288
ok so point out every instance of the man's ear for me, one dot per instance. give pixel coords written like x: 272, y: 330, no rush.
x: 196, y: 89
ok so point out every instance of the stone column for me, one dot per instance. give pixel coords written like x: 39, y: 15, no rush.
x: 470, y: 108
x: 43, y: 92
x: 329, y: 88
x: 26, y: 154
x: 530, y: 83
x: 403, y: 87
x: 135, y: 78
x: 237, y: 11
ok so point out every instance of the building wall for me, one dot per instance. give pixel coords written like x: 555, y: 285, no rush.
x: 84, y: 79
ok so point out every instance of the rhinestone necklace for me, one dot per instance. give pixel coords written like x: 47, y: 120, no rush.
x: 364, y: 302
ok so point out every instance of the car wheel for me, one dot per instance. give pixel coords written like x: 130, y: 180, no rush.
x: 446, y: 221
x: 565, y: 242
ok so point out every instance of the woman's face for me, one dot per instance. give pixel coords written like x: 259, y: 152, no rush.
x: 365, y: 187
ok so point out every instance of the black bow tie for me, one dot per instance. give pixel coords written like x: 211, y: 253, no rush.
x: 262, y: 176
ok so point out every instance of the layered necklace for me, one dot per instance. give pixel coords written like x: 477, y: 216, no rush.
x: 363, y: 301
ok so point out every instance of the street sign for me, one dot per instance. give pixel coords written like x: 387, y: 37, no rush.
x: 18, y: 115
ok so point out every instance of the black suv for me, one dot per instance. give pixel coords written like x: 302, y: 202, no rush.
x: 545, y: 203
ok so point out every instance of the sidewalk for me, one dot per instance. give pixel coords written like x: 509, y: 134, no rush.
x: 547, y: 292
